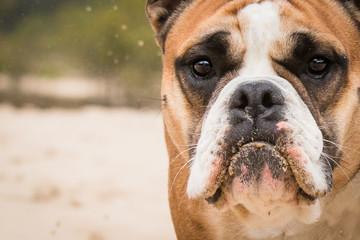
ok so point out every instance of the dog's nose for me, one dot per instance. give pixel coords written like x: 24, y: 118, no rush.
x: 260, y: 99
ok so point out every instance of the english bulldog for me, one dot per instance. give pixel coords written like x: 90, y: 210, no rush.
x: 261, y: 108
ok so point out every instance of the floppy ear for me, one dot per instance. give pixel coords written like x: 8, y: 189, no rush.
x: 161, y: 14
x: 353, y: 7
x: 159, y: 11
x: 356, y: 10
x: 357, y: 3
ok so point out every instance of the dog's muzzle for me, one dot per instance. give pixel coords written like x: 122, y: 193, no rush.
x: 259, y: 140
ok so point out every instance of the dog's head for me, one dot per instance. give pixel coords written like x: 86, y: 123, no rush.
x: 265, y: 96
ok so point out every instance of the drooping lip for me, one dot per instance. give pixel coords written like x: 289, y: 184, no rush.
x: 305, y: 187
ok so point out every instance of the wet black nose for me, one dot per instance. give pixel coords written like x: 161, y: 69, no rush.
x: 257, y: 100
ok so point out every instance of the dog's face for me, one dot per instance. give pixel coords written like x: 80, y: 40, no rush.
x: 262, y: 98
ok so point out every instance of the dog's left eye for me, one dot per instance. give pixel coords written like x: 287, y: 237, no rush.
x: 202, y: 68
x: 317, y: 67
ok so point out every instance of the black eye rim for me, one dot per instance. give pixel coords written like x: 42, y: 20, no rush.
x: 318, y: 74
x: 198, y: 75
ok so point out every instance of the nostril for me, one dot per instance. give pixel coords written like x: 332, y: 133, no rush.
x: 243, y: 102
x: 253, y: 99
x: 267, y: 100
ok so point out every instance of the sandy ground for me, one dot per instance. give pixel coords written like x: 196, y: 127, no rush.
x: 92, y: 174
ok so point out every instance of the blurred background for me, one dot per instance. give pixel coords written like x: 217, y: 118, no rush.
x: 82, y: 154
x: 70, y: 53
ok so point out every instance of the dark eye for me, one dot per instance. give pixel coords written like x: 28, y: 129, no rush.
x: 317, y: 67
x: 202, y: 68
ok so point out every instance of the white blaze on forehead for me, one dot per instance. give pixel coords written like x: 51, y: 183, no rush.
x: 260, y: 30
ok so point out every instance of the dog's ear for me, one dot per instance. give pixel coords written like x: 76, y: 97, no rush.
x: 159, y: 13
x: 353, y: 7
x: 357, y: 4
x: 354, y: 2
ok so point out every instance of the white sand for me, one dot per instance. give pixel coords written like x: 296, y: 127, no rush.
x: 92, y: 174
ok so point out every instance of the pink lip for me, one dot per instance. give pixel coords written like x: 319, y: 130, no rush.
x: 281, y: 126
x: 293, y: 155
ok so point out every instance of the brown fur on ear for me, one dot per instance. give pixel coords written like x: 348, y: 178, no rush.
x: 353, y: 6
x: 357, y: 3
x: 161, y: 14
x: 159, y: 11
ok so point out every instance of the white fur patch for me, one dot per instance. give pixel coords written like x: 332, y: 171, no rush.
x: 262, y: 30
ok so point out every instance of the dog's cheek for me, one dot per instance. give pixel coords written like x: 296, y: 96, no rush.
x: 343, y: 113
x: 347, y: 127
x: 176, y: 113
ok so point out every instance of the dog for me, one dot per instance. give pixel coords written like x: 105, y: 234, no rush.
x: 261, y: 109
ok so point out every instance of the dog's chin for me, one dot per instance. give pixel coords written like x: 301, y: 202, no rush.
x: 259, y: 178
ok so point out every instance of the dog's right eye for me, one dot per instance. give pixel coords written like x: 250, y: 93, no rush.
x: 202, y: 68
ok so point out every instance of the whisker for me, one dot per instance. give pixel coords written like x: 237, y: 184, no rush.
x: 182, y: 199
x: 177, y: 156
x: 341, y: 147
x: 327, y: 157
x: 177, y: 174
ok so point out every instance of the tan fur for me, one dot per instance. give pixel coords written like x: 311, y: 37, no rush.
x: 195, y: 219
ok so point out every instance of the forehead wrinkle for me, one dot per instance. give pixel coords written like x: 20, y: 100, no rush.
x: 199, y: 18
x: 229, y: 28
x: 188, y: 23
